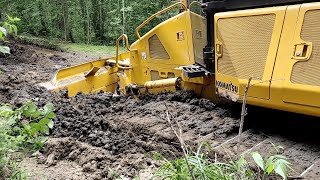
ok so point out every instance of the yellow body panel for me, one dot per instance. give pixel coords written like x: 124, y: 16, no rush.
x: 241, y: 43
x: 277, y: 82
x: 174, y: 43
x: 277, y: 47
x: 155, y: 56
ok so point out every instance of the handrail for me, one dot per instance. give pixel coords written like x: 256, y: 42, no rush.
x: 195, y: 2
x: 159, y: 13
x: 125, y: 37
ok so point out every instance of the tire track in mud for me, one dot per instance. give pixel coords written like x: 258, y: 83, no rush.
x: 102, y: 131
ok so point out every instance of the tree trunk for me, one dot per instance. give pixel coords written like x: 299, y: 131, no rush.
x: 97, y: 19
x: 44, y: 30
x: 101, y: 20
x: 65, y: 18
x: 84, y: 11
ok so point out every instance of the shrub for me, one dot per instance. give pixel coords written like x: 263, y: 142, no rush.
x: 7, y: 28
x: 22, y: 129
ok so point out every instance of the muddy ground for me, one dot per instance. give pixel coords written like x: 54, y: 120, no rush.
x: 104, y: 132
x: 96, y: 136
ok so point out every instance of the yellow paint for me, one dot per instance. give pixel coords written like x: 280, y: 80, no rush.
x: 137, y: 67
x: 178, y: 4
x: 185, y: 2
x: 276, y: 90
x: 125, y: 38
x: 176, y: 39
x: 171, y: 82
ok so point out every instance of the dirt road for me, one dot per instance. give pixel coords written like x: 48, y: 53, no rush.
x: 97, y: 136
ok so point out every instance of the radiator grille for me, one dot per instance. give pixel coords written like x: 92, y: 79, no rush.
x: 157, y: 51
x: 308, y: 72
x: 245, y: 44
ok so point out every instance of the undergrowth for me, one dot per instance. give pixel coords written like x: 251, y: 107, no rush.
x: 55, y: 44
x: 7, y: 28
x: 37, y: 41
x: 202, y: 167
x: 22, y: 130
x: 91, y: 49
x: 197, y: 165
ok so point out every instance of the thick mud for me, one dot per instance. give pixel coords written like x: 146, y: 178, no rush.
x: 101, y: 135
x: 118, y: 131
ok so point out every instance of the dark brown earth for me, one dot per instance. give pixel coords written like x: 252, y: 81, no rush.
x: 98, y: 135
x: 123, y: 128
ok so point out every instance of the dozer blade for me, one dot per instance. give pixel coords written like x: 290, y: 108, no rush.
x: 86, y: 78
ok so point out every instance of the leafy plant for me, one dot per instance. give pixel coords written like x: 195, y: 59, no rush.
x: 24, y: 128
x: 3, y: 49
x: 203, y: 168
x: 10, y: 26
x: 29, y: 121
x: 6, y: 28
x: 8, y: 145
x: 272, y: 164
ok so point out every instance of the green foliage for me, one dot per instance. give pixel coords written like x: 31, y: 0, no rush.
x: 203, y: 168
x: 272, y: 164
x: 7, y: 27
x: 29, y: 122
x: 16, y: 172
x: 21, y: 129
x: 3, y: 33
x: 8, y: 145
x: 40, y: 42
x: 10, y: 26
x: 85, y: 21
x: 90, y: 49
x: 4, y: 49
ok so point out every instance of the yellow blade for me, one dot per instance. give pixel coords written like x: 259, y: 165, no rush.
x: 86, y: 78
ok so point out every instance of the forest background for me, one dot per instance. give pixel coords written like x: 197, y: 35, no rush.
x: 97, y: 22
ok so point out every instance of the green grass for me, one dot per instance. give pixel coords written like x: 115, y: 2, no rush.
x: 90, y: 49
x: 98, y: 50
x: 38, y: 41
x: 196, y: 165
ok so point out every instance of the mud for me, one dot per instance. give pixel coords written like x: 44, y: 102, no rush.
x: 120, y: 130
x: 99, y: 135
x: 128, y: 128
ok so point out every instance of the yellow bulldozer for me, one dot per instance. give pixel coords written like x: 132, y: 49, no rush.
x: 213, y: 47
